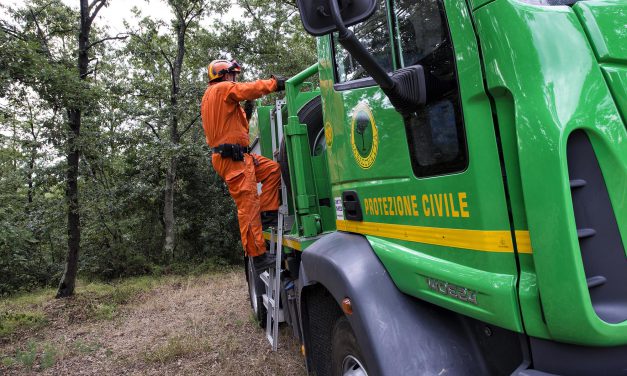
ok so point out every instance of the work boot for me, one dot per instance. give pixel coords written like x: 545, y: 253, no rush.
x: 269, y: 219
x: 263, y: 262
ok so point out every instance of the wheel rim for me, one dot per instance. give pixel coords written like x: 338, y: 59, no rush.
x: 351, y: 366
x: 252, y: 290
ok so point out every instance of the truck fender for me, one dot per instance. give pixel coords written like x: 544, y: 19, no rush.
x: 397, y: 334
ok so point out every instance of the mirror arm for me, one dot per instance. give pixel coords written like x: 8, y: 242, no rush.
x: 348, y: 40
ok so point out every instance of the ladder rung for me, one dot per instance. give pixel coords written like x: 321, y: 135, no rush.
x: 265, y: 278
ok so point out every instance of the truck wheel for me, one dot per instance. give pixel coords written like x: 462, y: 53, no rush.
x: 346, y: 359
x: 256, y: 290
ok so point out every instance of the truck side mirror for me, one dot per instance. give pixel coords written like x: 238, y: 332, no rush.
x: 406, y: 88
x: 318, y: 19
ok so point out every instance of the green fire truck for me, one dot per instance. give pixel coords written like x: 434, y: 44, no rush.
x: 455, y: 198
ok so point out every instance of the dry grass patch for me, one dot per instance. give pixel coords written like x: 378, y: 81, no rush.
x: 177, y: 347
x: 198, y: 325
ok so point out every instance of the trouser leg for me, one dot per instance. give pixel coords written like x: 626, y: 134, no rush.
x: 241, y: 181
x: 268, y: 173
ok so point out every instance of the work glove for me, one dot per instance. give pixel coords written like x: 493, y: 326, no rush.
x: 280, y: 82
x: 249, y: 107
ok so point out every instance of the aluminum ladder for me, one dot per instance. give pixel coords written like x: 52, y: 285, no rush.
x: 272, y: 277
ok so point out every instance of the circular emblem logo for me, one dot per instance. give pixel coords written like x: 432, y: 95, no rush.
x: 364, y: 136
x: 328, y: 134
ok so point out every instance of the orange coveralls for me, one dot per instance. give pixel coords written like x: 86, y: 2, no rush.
x: 224, y: 122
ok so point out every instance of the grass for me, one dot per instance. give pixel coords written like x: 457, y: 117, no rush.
x: 85, y: 347
x: 23, y: 312
x: 11, y: 321
x: 43, y: 355
x: 177, y: 347
x: 183, y: 325
x: 48, y: 356
x: 91, y: 301
x: 27, y: 356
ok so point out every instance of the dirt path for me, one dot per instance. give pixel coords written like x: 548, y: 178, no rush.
x: 191, y: 326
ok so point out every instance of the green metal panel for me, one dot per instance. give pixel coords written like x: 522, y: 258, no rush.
x: 527, y: 285
x: 323, y: 189
x: 539, y: 59
x: 305, y: 199
x: 265, y: 135
x: 472, y: 250
x: 616, y: 77
x: 604, y: 23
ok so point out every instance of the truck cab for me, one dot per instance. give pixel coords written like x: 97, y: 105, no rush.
x: 478, y: 224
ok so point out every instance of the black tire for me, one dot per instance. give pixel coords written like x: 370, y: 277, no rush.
x: 346, y: 358
x: 311, y: 115
x: 256, y: 289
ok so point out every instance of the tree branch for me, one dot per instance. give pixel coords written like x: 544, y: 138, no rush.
x: 99, y: 4
x: 120, y: 36
x: 249, y: 9
x: 193, y: 14
x: 165, y: 56
x: 11, y: 31
x: 189, y: 126
x: 87, y: 73
x: 42, y: 37
x: 152, y: 129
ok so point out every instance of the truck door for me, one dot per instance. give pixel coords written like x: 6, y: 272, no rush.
x: 427, y: 191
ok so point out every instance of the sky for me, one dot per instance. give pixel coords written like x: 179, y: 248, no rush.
x: 119, y: 10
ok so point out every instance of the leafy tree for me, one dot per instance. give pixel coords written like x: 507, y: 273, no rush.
x: 119, y: 123
x: 172, y: 92
x: 75, y: 109
x: 270, y: 37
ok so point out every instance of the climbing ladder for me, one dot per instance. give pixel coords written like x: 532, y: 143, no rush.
x: 272, y: 277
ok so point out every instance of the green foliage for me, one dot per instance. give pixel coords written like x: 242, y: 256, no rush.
x: 27, y: 356
x: 126, y: 141
x: 7, y: 361
x: 48, y: 356
x: 13, y: 321
x: 46, y: 353
x: 85, y: 347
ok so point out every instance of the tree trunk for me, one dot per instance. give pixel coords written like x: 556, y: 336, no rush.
x: 176, y: 68
x: 31, y: 167
x: 168, y: 209
x: 68, y: 281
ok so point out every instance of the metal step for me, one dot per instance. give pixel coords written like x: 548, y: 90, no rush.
x: 272, y: 277
x: 577, y: 183
x: 596, y: 281
x: 583, y: 233
x: 265, y: 278
x: 267, y: 302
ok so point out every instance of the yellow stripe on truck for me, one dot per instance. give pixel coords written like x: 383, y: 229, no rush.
x: 290, y: 243
x: 478, y: 240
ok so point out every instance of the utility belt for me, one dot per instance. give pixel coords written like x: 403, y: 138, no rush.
x: 234, y: 151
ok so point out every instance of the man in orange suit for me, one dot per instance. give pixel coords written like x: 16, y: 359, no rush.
x: 226, y: 130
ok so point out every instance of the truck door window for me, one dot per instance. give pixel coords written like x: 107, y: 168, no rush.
x: 436, y: 134
x: 375, y: 36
